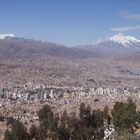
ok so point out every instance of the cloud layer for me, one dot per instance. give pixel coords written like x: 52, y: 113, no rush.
x: 130, y: 16
x: 125, y: 29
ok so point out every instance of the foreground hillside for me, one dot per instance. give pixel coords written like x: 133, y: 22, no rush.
x: 120, y: 123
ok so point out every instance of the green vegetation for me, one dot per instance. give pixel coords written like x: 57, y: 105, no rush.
x: 17, y: 132
x: 89, y: 126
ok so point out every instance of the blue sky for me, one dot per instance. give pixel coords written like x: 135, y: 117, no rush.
x: 70, y: 22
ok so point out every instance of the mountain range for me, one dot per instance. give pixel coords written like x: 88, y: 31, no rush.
x: 14, y: 47
x: 112, y: 61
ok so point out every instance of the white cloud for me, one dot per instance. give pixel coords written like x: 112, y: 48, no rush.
x: 125, y: 29
x: 131, y: 16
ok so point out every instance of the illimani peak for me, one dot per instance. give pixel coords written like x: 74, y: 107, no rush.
x: 124, y: 40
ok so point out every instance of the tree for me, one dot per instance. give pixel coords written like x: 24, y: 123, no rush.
x: 10, y: 120
x: 7, y: 135
x: 107, y: 116
x: 33, y: 131
x: 46, y: 118
x: 91, y: 124
x: 124, y: 115
x: 43, y: 113
x: 63, y: 133
x: 85, y: 114
x: 96, y: 119
x: 41, y: 134
x: 18, y: 131
x: 82, y: 111
x: 106, y: 112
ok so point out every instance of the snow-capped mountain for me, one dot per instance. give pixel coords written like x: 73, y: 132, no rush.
x: 124, y: 40
x: 115, y: 45
x: 3, y: 36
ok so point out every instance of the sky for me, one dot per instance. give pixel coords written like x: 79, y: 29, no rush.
x: 70, y: 22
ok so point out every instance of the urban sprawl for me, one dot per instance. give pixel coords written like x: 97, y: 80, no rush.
x: 23, y: 102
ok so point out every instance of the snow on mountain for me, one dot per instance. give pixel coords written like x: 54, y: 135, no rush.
x: 3, y: 36
x: 114, y: 46
x: 124, y: 40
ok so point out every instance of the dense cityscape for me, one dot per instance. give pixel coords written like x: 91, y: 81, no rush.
x: 23, y: 102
